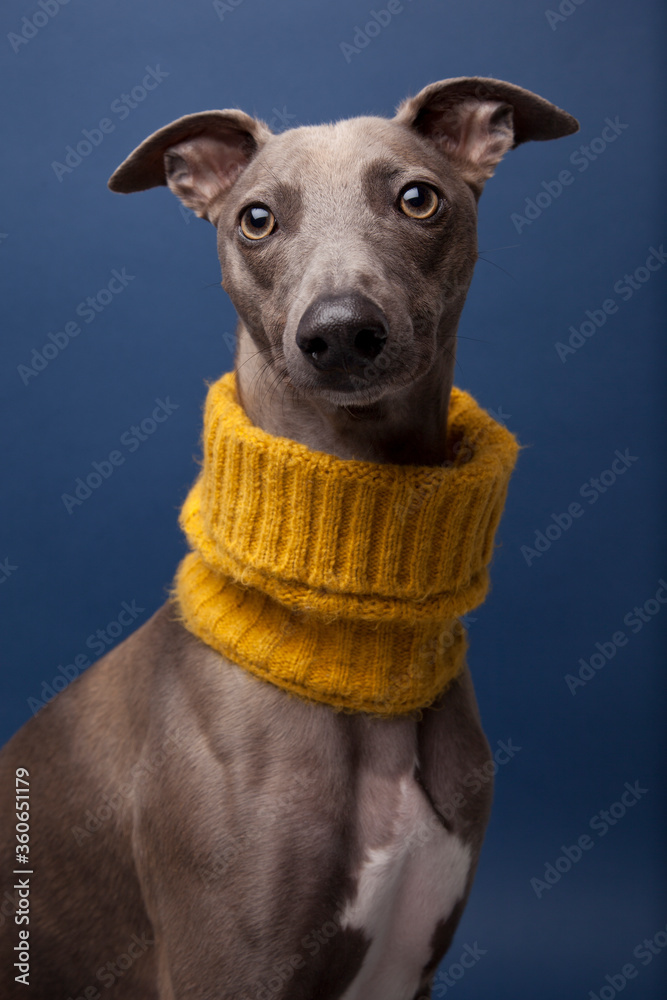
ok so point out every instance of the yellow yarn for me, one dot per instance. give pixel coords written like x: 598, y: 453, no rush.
x: 340, y: 581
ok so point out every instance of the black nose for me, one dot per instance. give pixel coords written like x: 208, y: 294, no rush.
x: 342, y: 333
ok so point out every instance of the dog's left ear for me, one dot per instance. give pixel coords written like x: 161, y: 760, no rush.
x: 475, y: 121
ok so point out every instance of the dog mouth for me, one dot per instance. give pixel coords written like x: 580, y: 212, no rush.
x: 357, y: 395
x: 356, y: 384
x: 364, y: 411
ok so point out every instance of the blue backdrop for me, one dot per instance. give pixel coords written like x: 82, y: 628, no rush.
x: 114, y: 308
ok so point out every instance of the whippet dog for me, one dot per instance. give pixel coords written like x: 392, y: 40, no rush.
x: 196, y: 831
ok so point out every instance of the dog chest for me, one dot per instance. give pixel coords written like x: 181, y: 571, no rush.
x: 412, y: 873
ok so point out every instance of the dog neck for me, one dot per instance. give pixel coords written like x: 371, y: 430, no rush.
x: 341, y: 581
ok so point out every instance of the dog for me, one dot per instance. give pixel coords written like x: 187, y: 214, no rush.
x: 184, y: 828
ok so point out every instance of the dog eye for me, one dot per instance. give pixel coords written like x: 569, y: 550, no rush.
x: 418, y: 201
x: 257, y: 222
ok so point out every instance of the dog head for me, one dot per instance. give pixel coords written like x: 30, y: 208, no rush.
x: 348, y: 248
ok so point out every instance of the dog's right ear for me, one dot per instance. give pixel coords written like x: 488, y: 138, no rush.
x: 198, y: 156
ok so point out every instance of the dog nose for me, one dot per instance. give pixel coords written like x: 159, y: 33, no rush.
x: 342, y: 333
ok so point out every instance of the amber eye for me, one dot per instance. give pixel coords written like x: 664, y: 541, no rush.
x: 418, y: 201
x: 257, y: 222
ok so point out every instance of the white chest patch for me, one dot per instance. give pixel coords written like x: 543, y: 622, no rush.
x: 413, y: 873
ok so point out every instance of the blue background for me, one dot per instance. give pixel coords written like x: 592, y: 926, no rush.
x: 171, y: 329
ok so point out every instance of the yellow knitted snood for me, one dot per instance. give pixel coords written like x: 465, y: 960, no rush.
x: 340, y: 581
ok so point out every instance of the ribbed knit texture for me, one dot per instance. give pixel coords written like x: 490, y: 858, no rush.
x: 340, y: 581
